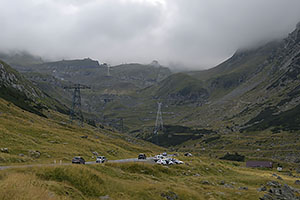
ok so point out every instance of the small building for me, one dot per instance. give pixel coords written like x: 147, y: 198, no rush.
x: 263, y: 164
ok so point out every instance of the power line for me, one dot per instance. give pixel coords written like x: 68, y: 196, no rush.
x: 122, y: 125
x: 158, y: 123
x: 75, y: 111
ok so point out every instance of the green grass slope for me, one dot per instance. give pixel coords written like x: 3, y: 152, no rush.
x: 199, y: 178
x: 178, y: 88
x: 31, y: 138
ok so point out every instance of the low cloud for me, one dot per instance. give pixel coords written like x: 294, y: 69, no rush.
x: 196, y: 33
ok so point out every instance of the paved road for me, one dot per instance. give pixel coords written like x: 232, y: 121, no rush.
x: 148, y: 160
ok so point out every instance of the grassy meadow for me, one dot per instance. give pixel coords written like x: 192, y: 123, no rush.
x: 34, y: 139
x: 198, y: 178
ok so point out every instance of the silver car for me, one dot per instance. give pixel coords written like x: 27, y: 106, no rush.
x: 101, y: 159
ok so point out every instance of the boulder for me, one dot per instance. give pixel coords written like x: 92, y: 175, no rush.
x: 205, y: 182
x: 273, y: 184
x: 279, y: 177
x: 34, y: 154
x: 222, y: 183
x: 243, y: 188
x: 280, y: 192
x: 262, y: 189
x: 170, y: 195
x: 4, y: 150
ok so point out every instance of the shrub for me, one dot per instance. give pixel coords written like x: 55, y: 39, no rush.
x: 84, y: 180
x: 233, y: 157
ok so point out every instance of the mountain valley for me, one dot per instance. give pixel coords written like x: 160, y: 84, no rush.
x: 248, y: 106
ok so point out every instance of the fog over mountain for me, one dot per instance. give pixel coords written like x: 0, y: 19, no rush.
x: 192, y: 33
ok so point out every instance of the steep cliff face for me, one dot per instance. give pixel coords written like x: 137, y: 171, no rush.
x: 283, y: 86
x: 21, y: 92
x: 11, y: 79
x: 17, y: 90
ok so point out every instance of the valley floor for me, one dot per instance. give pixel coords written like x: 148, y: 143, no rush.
x: 198, y: 178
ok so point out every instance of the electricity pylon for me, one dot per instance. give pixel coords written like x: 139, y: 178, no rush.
x: 75, y: 111
x: 159, y: 122
x: 108, y: 69
x: 122, y: 125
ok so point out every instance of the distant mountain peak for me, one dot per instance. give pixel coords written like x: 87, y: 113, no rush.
x: 20, y: 58
x: 76, y: 63
x: 155, y: 63
x: 298, y: 26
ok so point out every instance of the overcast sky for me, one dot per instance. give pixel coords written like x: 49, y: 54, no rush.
x: 192, y: 33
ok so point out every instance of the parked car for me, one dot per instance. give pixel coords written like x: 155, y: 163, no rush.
x: 188, y: 154
x: 169, y: 161
x: 101, y: 159
x: 78, y: 160
x: 177, y: 161
x: 161, y: 162
x: 158, y: 157
x: 164, y: 154
x: 142, y: 156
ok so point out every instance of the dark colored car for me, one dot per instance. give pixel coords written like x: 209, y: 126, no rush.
x: 78, y: 160
x: 142, y: 156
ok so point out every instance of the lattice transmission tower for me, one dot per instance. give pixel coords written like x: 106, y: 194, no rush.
x: 159, y: 125
x: 121, y: 125
x: 75, y: 111
x: 108, y: 69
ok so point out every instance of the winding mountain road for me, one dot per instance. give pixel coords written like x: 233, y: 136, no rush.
x: 148, y: 160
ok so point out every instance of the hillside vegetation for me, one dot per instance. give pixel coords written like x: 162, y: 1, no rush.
x: 34, y: 139
x: 31, y: 138
x: 199, y: 178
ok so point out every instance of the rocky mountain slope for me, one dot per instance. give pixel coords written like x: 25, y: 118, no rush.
x: 178, y: 89
x: 119, y: 85
x: 103, y: 77
x: 252, y: 82
x: 18, y: 90
x: 255, y: 89
x: 260, y: 116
